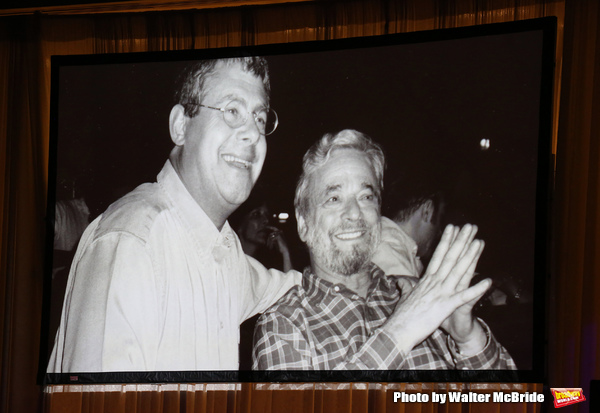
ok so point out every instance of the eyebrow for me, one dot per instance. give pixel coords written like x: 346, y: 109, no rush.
x: 367, y: 185
x: 335, y: 187
x: 230, y: 97
x: 331, y: 188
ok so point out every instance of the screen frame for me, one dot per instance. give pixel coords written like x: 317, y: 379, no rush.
x: 543, y: 194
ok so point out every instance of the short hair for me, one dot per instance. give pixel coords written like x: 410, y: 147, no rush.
x: 411, y: 204
x: 320, y: 152
x: 190, y: 91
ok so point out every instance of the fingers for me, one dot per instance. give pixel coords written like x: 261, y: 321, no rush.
x: 469, y: 240
x: 464, y: 281
x: 406, y: 284
x: 274, y: 232
x: 276, y: 241
x: 454, y: 241
x: 462, y: 243
x: 474, y: 293
x: 463, y: 270
x: 447, y: 239
x: 273, y: 236
x: 455, y: 231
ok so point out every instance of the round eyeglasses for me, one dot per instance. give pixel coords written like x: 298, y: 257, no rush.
x: 235, y: 115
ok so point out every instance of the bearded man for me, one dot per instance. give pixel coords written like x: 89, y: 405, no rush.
x: 347, y: 314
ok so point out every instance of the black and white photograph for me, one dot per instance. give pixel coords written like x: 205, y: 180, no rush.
x: 366, y: 209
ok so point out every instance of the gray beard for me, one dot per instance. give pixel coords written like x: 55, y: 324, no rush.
x: 344, y: 262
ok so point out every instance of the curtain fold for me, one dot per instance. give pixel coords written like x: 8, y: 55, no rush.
x: 25, y: 181
x: 27, y: 43
x: 276, y: 398
x: 575, y: 319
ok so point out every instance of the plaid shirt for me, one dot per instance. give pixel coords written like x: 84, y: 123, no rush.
x: 324, y: 326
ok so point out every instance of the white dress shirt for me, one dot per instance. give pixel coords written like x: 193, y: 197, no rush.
x: 155, y: 286
x: 397, y: 252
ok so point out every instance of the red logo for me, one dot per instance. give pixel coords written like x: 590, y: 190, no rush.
x: 565, y: 397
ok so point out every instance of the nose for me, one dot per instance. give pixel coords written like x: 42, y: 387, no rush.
x: 249, y: 132
x: 352, y: 210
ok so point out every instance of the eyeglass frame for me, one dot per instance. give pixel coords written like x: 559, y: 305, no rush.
x: 222, y: 110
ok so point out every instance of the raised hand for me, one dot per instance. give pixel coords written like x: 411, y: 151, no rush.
x: 276, y: 241
x: 442, y: 290
x: 461, y: 325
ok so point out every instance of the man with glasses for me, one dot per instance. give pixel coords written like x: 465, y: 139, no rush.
x: 160, y: 281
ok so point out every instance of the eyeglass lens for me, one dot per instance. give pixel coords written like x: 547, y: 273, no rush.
x: 235, y: 115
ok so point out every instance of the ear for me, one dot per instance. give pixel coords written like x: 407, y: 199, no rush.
x: 427, y: 210
x: 177, y: 125
x: 302, y: 228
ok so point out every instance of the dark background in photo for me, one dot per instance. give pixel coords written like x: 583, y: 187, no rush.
x: 433, y: 106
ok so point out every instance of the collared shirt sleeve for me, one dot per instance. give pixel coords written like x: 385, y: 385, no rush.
x: 493, y: 356
x: 439, y: 352
x: 265, y: 286
x: 110, y: 316
x: 280, y: 344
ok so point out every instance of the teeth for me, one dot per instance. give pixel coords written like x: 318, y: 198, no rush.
x: 234, y: 159
x: 349, y: 235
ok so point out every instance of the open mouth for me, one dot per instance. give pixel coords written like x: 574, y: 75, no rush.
x: 346, y: 236
x: 237, y: 162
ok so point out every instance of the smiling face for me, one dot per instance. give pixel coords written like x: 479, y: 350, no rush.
x: 342, y: 227
x: 217, y: 164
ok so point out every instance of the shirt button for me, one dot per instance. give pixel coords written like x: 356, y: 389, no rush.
x: 221, y: 324
x: 336, y: 289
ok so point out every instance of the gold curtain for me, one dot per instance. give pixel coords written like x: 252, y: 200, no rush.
x: 574, y: 312
x: 274, y: 398
x: 28, y: 41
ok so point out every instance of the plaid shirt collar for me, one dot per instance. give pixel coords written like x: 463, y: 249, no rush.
x: 318, y: 289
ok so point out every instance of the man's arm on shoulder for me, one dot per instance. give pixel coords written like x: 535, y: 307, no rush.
x: 111, y: 313
x: 266, y: 286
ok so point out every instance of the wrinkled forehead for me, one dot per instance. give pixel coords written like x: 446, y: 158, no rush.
x: 344, y: 170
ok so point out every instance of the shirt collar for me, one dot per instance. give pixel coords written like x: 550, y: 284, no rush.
x: 407, y: 240
x: 317, y: 289
x: 196, y: 220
